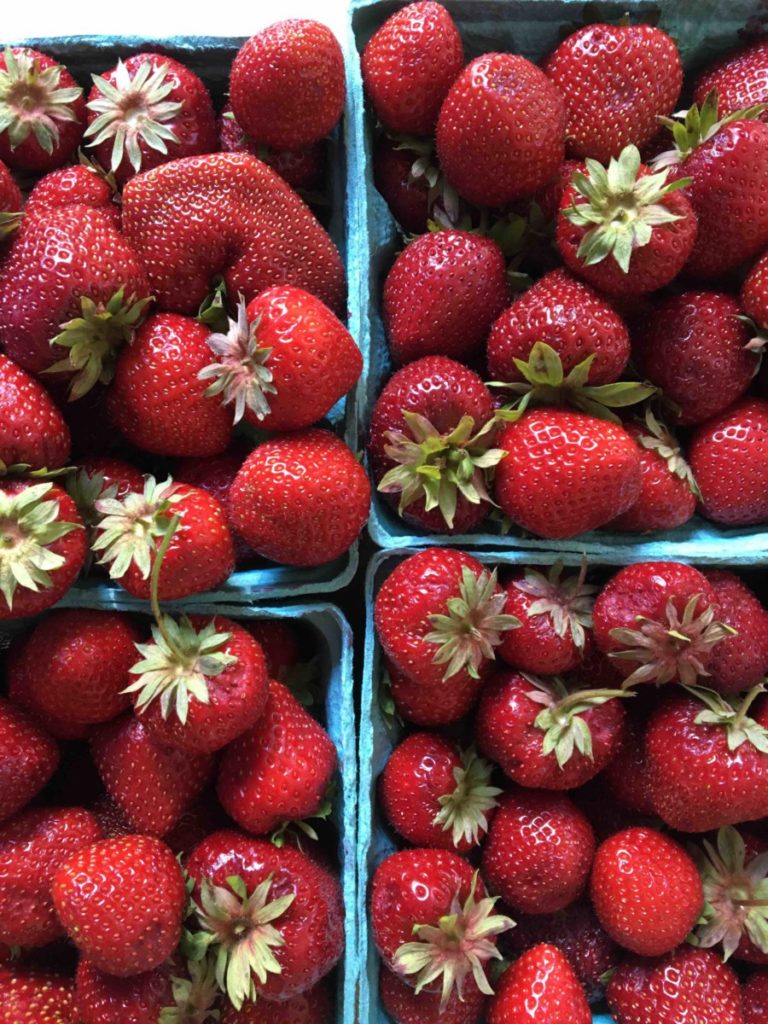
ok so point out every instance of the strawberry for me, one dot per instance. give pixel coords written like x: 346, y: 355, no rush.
x: 441, y: 296
x: 554, y: 614
x: 754, y: 998
x: 691, y: 982
x: 10, y: 205
x: 707, y: 758
x: 404, y: 1006
x: 302, y: 168
x: 427, y: 706
x: 71, y: 291
x: 272, y: 918
x: 408, y: 66
x: 157, y: 400
x: 545, y: 736
x: 287, y: 85
x: 616, y: 80
x: 436, y: 795
x: 152, y: 785
x: 42, y: 110
x: 646, y: 891
x: 195, y: 824
x: 216, y: 475
x: 754, y: 293
x: 32, y: 995
x: 78, y: 185
x: 565, y: 472
x: 488, y: 119
x: 43, y: 546
x: 625, y: 229
x: 741, y: 663
x: 281, y: 644
x: 100, y: 477
x: 740, y: 79
x: 435, y: 413
x: 121, y: 902
x: 301, y: 498
x: 32, y: 429
x: 729, y: 458
x: 625, y: 777
x: 112, y: 821
x: 538, y: 852
x: 145, y: 111
x: 284, y: 362
x: 568, y: 316
x: 542, y: 988
x: 254, y: 231
x: 279, y: 770
x: 432, y: 922
x: 199, y: 556
x: 657, y: 619
x: 406, y: 195
x: 312, y: 1007
x: 695, y: 348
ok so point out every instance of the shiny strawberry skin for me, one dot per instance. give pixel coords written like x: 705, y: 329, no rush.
x: 534, y: 645
x: 741, y: 663
x: 301, y: 498
x: 32, y: 995
x: 256, y: 232
x: 157, y: 400
x: 216, y: 475
x: 32, y: 429
x: 754, y: 998
x: 404, y: 1006
x: 565, y: 472
x: 312, y: 1007
x: 427, y: 706
x: 616, y: 80
x: 539, y: 988
x: 103, y: 999
x: 77, y: 185
x: 408, y: 200
x: 10, y: 194
x: 280, y: 769
x: 408, y: 66
x: 301, y: 168
x: 539, y: 852
x: 486, y: 126
x: 122, y: 902
x: 740, y: 78
x: 28, y: 758
x: 754, y: 292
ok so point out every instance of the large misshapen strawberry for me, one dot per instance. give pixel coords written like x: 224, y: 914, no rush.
x: 80, y: 184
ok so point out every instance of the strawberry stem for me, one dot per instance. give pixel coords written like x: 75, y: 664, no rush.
x: 154, y: 582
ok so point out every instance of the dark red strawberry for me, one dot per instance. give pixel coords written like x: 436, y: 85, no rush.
x: 169, y: 992
x: 281, y: 643
x: 78, y: 185
x: 616, y: 80
x: 625, y: 777
x: 754, y: 293
x: 486, y: 127
x: 407, y: 196
x: 42, y: 110
x: 404, y: 1006
x: 216, y: 476
x: 741, y: 663
x: 112, y: 820
x: 301, y: 498
x: 754, y: 998
x: 426, y: 706
x: 740, y: 79
x: 10, y: 206
x: 314, y: 1006
x: 32, y: 430
x: 433, y: 400
x: 33, y: 995
x: 301, y: 168
x: 542, y: 987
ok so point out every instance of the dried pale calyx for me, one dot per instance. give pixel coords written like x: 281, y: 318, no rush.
x: 32, y: 101
x: 464, y: 812
x: 568, y: 601
x: 130, y: 529
x: 731, y: 713
x: 659, y: 439
x: 195, y: 996
x: 693, y: 127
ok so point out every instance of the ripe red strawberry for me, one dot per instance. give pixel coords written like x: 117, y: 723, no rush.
x: 539, y: 852
x: 542, y: 987
x: 740, y: 79
x: 434, y: 794
x: 427, y: 706
x: 646, y: 891
x: 254, y: 231
x: 42, y: 110
x: 707, y: 758
x: 43, y: 546
x: 28, y: 758
x: 441, y: 296
x: 625, y: 777
x: 300, y: 168
x: 216, y: 475
x: 754, y: 293
x: 145, y: 111
x: 121, y: 902
x: 404, y: 1006
x: 408, y: 66
x: 431, y: 399
x: 565, y: 472
x: 32, y: 430
x: 10, y: 205
x: 433, y: 923
x: 408, y: 196
x: 278, y: 771
x: 729, y: 458
x: 167, y: 992
x: 554, y: 612
x: 625, y: 230
x: 71, y: 291
x: 657, y: 619
x: 301, y: 498
x: 32, y: 995
x: 78, y: 185
x: 157, y: 399
x: 568, y: 316
x: 616, y: 80
x: 272, y: 917
x: 199, y: 557
x: 312, y: 1007
x: 283, y: 363
x: 152, y: 784
x: 281, y: 643
x: 754, y: 998
x: 741, y: 663
x: 486, y: 126
x: 691, y: 982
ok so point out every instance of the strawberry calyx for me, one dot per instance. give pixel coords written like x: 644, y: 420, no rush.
x: 213, y: 309
x: 94, y: 337
x: 731, y: 713
x: 29, y: 523
x: 622, y: 208
x: 437, y: 468
x: 442, y: 202
x: 10, y: 222
x: 660, y: 439
x: 133, y: 110
x: 304, y: 827
x: 567, y: 601
x: 693, y: 127
x: 735, y: 895
x: 670, y: 650
x: 194, y: 995
x: 95, y: 167
x: 464, y: 811
x: 459, y: 946
x: 32, y: 100
x: 85, y: 489
x: 129, y: 529
x: 759, y: 339
x: 565, y: 731
x: 474, y: 625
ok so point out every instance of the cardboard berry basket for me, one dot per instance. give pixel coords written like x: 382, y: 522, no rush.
x: 210, y: 57
x: 333, y: 646
x: 702, y: 29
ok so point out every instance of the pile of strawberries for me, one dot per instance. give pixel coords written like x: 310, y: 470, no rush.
x: 169, y: 322
x: 581, y: 797
x: 573, y: 247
